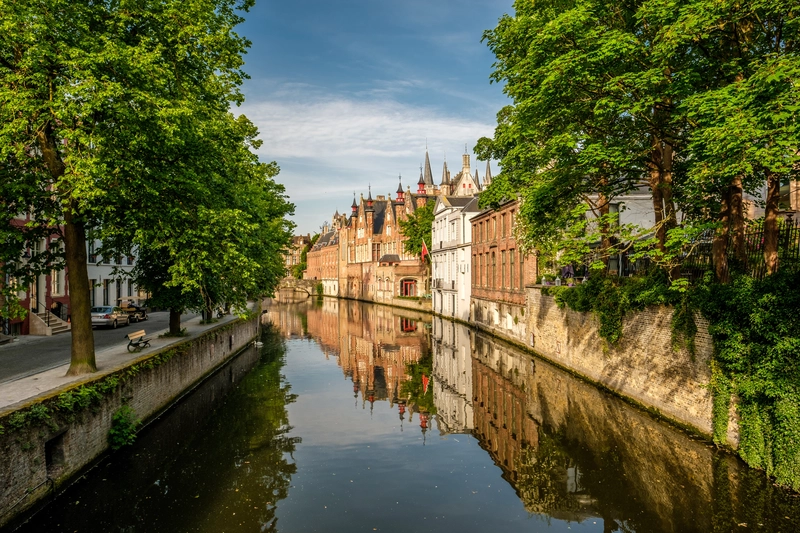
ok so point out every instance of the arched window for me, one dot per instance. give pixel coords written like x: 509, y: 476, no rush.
x: 408, y: 287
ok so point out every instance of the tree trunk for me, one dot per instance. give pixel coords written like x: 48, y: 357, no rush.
x: 736, y: 204
x: 771, y: 222
x: 719, y: 244
x: 82, y: 359
x: 605, y: 228
x: 174, y: 321
x: 658, y: 208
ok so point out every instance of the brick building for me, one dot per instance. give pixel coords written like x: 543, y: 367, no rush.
x: 46, y: 298
x: 292, y: 256
x: 500, y: 271
x: 323, y: 258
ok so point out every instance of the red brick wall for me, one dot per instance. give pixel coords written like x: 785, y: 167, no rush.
x: 500, y: 271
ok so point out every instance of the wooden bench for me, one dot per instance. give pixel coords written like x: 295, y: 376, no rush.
x: 136, y: 341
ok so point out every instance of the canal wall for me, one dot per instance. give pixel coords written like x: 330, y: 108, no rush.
x: 644, y: 366
x: 48, y: 440
x: 549, y: 432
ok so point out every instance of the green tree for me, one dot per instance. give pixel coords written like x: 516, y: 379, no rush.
x: 101, y: 97
x: 224, y: 241
x: 418, y: 227
x: 591, y: 118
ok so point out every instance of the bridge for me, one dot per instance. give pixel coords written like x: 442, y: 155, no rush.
x: 293, y: 289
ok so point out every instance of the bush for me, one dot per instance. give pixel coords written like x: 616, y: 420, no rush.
x: 123, y: 428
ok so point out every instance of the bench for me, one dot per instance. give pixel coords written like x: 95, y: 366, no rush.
x: 136, y: 341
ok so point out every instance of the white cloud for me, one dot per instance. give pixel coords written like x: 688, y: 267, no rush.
x: 328, y: 148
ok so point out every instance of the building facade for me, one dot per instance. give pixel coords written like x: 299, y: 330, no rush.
x: 500, y: 271
x: 451, y: 256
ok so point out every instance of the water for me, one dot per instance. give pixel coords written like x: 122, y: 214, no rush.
x: 365, y: 418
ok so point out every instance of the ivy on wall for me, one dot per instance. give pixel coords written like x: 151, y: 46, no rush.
x: 755, y: 326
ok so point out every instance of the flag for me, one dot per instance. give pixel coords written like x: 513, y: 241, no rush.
x: 424, y: 250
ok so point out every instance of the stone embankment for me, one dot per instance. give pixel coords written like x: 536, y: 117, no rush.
x: 47, y: 440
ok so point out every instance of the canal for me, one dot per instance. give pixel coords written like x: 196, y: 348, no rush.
x: 354, y: 417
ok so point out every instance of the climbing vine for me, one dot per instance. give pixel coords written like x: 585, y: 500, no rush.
x: 755, y: 327
x: 610, y: 298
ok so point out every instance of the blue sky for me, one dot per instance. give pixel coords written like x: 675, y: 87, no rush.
x: 346, y: 92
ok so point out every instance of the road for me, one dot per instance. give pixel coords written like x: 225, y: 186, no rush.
x: 33, y: 354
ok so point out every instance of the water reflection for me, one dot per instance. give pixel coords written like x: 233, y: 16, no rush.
x: 570, y: 451
x: 189, y: 472
x: 375, y: 419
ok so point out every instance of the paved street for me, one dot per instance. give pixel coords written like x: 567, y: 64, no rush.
x: 33, y: 354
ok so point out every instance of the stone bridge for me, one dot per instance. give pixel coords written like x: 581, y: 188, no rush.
x: 293, y: 289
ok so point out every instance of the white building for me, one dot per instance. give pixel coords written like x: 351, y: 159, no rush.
x: 109, y: 277
x: 451, y: 256
x: 452, y: 372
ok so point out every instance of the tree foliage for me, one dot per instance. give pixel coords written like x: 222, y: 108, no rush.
x: 418, y: 227
x: 694, y: 101
x: 118, y: 120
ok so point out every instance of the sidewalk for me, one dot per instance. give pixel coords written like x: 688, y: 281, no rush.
x: 108, y: 360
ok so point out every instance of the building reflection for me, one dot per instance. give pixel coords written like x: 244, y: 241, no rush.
x: 385, y: 353
x: 569, y: 450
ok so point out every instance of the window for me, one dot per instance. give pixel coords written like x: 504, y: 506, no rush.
x: 494, y: 227
x: 511, y: 267
x: 494, y: 270
x: 92, y: 293
x: 130, y: 288
x: 119, y: 288
x: 92, y: 253
x: 55, y: 282
x: 502, y: 225
x: 521, y: 271
x: 503, y: 269
x: 105, y: 292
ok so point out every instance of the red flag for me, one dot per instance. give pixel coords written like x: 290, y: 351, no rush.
x: 424, y: 250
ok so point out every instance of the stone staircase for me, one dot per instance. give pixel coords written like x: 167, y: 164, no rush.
x: 56, y: 324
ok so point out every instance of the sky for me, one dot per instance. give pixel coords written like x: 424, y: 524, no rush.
x: 347, y: 94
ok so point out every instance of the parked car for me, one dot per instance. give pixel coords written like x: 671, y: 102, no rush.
x: 135, y: 311
x: 107, y: 315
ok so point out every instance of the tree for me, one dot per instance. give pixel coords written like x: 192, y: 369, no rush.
x: 591, y: 118
x: 696, y: 100
x: 418, y: 227
x: 101, y: 97
x: 225, y: 237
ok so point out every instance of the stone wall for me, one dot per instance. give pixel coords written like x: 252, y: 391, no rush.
x: 500, y: 318
x: 41, y: 455
x: 643, y: 366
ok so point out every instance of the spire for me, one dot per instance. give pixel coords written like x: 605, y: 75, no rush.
x: 400, y: 193
x: 369, y: 200
x: 354, y: 207
x: 445, y: 174
x: 477, y: 180
x: 487, y: 179
x: 399, y: 184
x: 428, y: 173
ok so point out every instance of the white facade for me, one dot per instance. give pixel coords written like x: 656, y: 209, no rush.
x: 109, y: 277
x: 451, y: 256
x: 452, y: 372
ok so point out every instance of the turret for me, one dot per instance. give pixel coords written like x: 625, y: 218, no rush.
x: 400, y: 193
